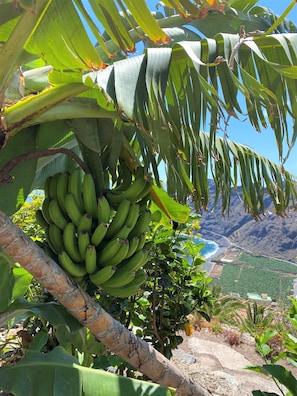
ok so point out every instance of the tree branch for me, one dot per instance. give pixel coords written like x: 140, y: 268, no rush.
x: 5, y: 177
x: 105, y: 328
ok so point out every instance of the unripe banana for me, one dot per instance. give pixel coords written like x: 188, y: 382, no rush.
x: 120, y: 278
x: 91, y: 259
x: 83, y: 243
x: 85, y: 223
x: 75, y: 187
x: 132, y: 215
x: 109, y: 250
x: 139, y: 278
x: 142, y: 223
x: 46, y: 186
x: 89, y: 195
x: 132, y: 192
x: 72, y: 208
x: 57, y: 215
x: 45, y: 210
x: 99, y: 234
x: 144, y: 194
x: 141, y: 241
x: 120, y: 255
x: 133, y: 245
x: 53, y: 185
x: 71, y: 243
x: 69, y: 266
x: 103, y: 210
x: 40, y: 219
x: 137, y: 261
x: 124, y: 232
x: 55, y: 238
x: 125, y: 177
x: 122, y: 292
x: 119, y: 219
x: 62, y: 188
x: 102, y: 275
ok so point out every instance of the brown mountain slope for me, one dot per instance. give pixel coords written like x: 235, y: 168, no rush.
x: 272, y: 236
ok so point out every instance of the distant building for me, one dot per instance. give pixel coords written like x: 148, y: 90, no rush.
x: 262, y: 298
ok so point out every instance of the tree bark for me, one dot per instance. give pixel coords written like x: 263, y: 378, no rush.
x: 107, y: 330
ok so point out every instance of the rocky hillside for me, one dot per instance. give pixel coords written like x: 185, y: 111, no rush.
x: 272, y: 236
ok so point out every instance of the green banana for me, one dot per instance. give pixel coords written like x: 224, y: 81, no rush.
x: 103, y: 210
x: 45, y: 210
x: 141, y: 241
x: 120, y: 255
x: 99, y: 234
x: 46, y: 186
x: 62, y: 188
x: 40, y: 219
x: 75, y: 187
x: 119, y: 219
x: 53, y: 185
x: 139, y: 278
x: 146, y: 189
x: 123, y: 232
x: 132, y: 215
x: 125, y: 177
x: 83, y: 243
x: 74, y: 269
x: 91, y: 259
x: 89, y: 195
x: 116, y: 197
x: 55, y: 238
x: 133, y: 244
x: 137, y: 261
x: 85, y: 223
x: 122, y: 292
x: 56, y: 214
x: 142, y: 223
x: 102, y: 275
x: 120, y: 278
x: 72, y: 208
x: 108, y: 251
x: 71, y: 243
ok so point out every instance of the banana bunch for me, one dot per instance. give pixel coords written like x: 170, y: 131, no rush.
x: 102, y: 239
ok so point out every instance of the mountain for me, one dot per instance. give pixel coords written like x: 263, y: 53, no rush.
x: 272, y: 235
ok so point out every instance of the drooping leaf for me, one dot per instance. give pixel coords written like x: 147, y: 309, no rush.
x: 45, y: 374
x: 6, y: 280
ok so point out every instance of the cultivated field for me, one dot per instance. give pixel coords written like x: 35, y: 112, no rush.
x: 254, y: 274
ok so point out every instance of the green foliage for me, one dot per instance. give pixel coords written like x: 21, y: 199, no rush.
x: 255, y: 320
x: 265, y: 344
x: 176, y: 286
x: 51, y: 369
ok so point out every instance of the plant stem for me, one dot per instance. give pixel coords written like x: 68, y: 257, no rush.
x: 14, y: 47
x: 24, y: 112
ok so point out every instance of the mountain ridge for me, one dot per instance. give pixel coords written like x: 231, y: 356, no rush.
x: 271, y: 235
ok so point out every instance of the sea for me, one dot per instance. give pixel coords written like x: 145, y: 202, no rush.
x: 209, y: 249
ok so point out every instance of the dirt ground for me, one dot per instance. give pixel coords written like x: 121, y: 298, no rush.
x: 211, y: 361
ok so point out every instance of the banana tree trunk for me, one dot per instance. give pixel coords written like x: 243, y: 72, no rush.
x: 107, y: 330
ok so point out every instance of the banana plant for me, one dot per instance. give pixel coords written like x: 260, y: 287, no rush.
x: 109, y: 80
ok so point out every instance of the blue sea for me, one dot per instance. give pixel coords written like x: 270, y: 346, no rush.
x: 209, y: 249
